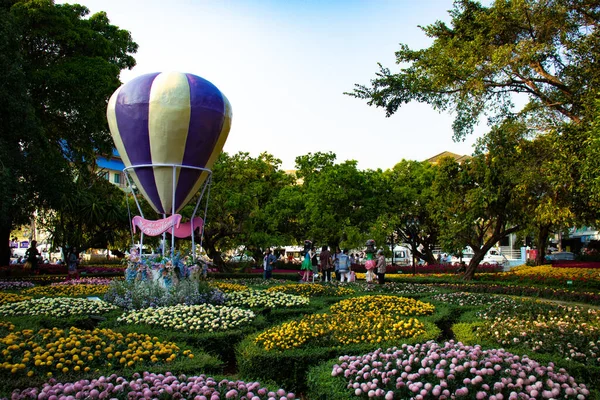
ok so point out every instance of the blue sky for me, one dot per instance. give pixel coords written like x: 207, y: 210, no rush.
x: 284, y: 66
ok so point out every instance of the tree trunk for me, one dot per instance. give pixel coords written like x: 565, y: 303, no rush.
x: 5, y: 248
x: 429, y: 258
x: 541, y: 241
x: 478, y: 256
x: 215, y: 255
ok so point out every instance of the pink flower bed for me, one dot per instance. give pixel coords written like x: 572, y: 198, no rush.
x: 576, y: 264
x: 151, y: 386
x: 453, y: 371
x: 84, y: 281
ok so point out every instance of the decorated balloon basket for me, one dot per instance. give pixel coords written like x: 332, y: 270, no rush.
x: 169, y: 128
x: 167, y: 268
x: 164, y: 271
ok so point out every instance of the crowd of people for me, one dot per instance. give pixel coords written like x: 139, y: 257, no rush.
x: 320, y: 266
x: 33, y: 258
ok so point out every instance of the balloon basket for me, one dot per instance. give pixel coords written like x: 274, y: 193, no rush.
x: 167, y: 272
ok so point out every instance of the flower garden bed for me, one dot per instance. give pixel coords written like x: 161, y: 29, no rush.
x: 56, y: 307
x: 447, y: 370
x: 191, y: 318
x: 276, y: 333
x: 150, y: 385
x: 310, y: 290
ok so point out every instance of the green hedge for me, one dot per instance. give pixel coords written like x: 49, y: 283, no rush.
x: 322, y: 386
x: 289, y: 368
x: 465, y: 332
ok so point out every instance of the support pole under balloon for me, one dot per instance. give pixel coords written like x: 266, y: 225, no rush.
x: 206, y: 185
x: 173, y: 211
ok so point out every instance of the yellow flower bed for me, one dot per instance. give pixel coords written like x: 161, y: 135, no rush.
x: 5, y: 325
x: 338, y: 329
x: 362, y: 275
x: 66, y: 290
x: 375, y: 306
x: 366, y: 319
x: 12, y: 298
x: 550, y: 272
x: 58, y: 351
x: 304, y: 289
x: 229, y: 287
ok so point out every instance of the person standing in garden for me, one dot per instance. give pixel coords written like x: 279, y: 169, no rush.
x: 325, y: 261
x: 72, y: 262
x: 344, y: 266
x: 314, y: 260
x: 307, y: 265
x: 31, y: 257
x: 335, y: 260
x: 380, y: 267
x: 268, y: 264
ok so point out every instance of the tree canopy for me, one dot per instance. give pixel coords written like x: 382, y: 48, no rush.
x: 61, y: 68
x: 243, y: 189
x: 545, y: 49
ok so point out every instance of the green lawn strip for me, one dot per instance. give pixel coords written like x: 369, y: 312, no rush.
x: 289, y: 368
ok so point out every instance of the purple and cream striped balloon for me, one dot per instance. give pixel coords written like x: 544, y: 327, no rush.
x: 169, y: 118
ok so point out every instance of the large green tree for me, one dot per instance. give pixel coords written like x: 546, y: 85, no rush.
x: 545, y: 49
x: 409, y: 207
x: 340, y: 201
x: 555, y: 195
x: 60, y: 67
x: 93, y: 214
x: 477, y: 203
x: 243, y: 187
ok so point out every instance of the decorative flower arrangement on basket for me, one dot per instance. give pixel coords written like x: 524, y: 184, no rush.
x: 165, y: 271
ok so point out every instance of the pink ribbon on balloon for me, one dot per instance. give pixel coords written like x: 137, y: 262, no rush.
x: 155, y: 228
x: 184, y: 230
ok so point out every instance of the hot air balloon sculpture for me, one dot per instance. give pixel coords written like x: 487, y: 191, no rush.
x: 169, y: 128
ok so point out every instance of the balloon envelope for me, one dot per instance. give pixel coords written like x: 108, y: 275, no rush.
x: 169, y: 118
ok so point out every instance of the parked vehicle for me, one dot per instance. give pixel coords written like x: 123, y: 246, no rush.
x: 493, y: 256
x: 243, y: 258
x: 561, y: 256
x: 402, y: 256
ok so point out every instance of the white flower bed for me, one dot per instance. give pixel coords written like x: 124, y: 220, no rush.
x: 472, y: 299
x: 261, y: 299
x: 56, y: 307
x: 201, y: 317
